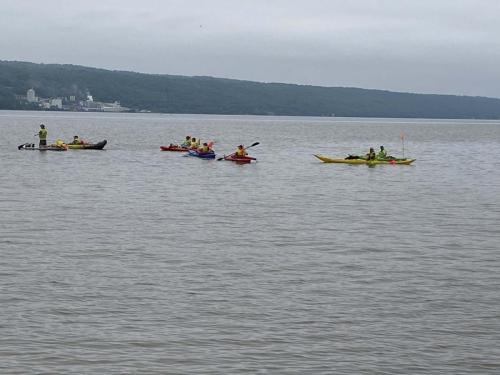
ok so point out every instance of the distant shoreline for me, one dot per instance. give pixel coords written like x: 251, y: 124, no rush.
x: 89, y: 89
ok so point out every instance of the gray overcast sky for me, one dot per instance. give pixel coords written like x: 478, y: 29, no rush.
x: 430, y: 46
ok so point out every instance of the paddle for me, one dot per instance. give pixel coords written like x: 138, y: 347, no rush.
x: 234, y: 153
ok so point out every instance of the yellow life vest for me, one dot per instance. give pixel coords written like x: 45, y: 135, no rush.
x: 241, y: 152
x: 43, y: 134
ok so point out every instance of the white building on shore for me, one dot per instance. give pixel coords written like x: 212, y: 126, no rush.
x: 56, y: 103
x: 31, y: 97
x: 113, y: 107
x: 71, y: 104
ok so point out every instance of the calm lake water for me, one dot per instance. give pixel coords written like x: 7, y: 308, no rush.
x: 131, y: 260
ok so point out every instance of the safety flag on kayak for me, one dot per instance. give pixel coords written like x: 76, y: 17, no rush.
x: 403, y: 143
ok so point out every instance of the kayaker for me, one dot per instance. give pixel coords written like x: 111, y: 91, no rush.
x: 76, y: 140
x: 194, y: 143
x: 240, y: 152
x: 42, y: 134
x: 205, y: 149
x: 59, y: 143
x: 187, y: 142
x: 371, y: 154
x: 382, y: 154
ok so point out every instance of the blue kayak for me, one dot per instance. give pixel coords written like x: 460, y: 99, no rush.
x: 202, y: 155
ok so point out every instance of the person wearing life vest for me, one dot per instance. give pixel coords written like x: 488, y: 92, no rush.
x: 382, y: 154
x: 194, y: 143
x: 204, y: 149
x: 371, y: 154
x: 76, y: 140
x: 60, y: 143
x: 241, y: 152
x: 187, y: 142
x: 42, y: 134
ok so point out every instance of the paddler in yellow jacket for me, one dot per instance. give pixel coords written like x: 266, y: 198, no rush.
x: 241, y: 152
x: 59, y: 143
x: 204, y: 149
x: 194, y: 143
x: 42, y: 134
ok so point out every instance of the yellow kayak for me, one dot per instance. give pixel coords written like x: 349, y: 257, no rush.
x: 87, y: 146
x: 326, y: 159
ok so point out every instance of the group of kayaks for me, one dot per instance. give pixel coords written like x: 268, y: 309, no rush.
x: 325, y: 159
x: 210, y: 154
x: 191, y: 147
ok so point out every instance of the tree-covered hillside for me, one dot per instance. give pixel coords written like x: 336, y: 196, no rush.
x: 179, y: 94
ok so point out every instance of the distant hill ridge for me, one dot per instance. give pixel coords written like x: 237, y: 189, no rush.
x: 181, y: 94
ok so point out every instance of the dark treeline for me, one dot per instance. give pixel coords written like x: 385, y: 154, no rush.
x: 179, y: 94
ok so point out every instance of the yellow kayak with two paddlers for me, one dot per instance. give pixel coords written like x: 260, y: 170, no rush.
x: 326, y: 159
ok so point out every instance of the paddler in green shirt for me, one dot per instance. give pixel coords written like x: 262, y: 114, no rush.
x: 187, y: 142
x: 42, y: 134
x: 382, y: 154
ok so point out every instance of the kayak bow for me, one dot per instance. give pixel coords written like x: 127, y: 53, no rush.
x: 31, y: 146
x: 174, y: 148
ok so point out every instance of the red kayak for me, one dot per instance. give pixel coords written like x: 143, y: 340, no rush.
x: 174, y: 148
x: 239, y: 159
